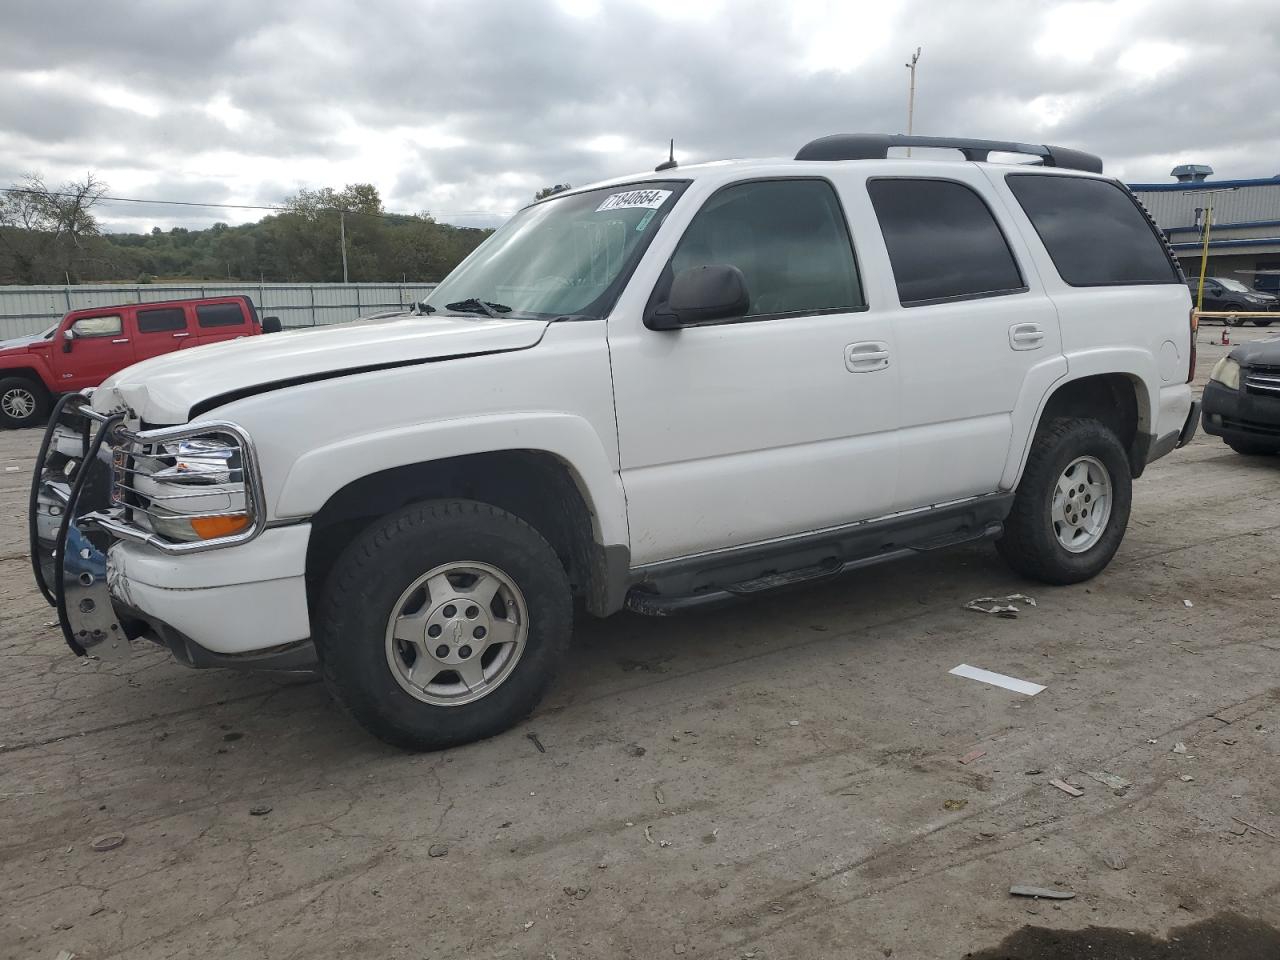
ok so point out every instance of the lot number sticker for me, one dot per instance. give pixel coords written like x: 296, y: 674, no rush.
x: 633, y: 199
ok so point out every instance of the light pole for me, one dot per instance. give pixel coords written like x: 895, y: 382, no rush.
x: 342, y: 232
x: 911, y: 95
x: 1206, y: 226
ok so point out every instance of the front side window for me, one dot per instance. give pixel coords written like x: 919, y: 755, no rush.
x: 162, y: 319
x: 789, y: 239
x: 568, y: 255
x: 1094, y: 231
x: 943, y: 241
x: 110, y: 326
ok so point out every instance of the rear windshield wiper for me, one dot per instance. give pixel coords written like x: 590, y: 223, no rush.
x: 472, y: 305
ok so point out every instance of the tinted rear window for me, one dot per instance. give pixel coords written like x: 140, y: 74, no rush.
x: 943, y: 242
x: 157, y: 321
x: 220, y: 314
x: 1095, y: 233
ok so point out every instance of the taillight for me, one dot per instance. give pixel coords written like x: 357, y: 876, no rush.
x: 1195, y: 327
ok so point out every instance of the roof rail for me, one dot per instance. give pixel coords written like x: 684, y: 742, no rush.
x: 875, y: 146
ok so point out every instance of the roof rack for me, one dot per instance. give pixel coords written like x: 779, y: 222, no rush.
x: 875, y: 146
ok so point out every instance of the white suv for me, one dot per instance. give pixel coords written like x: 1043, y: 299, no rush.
x: 663, y: 391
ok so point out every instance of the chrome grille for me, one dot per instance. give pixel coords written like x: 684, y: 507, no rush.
x: 1263, y: 379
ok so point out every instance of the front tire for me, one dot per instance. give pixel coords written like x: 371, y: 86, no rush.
x: 443, y: 623
x: 23, y: 402
x: 1261, y: 323
x: 1072, y: 504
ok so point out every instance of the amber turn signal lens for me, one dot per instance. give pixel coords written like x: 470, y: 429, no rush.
x: 210, y: 528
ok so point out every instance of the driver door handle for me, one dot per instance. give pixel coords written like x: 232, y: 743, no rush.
x: 121, y: 340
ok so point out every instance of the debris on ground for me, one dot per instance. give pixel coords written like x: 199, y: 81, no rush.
x: 1109, y: 779
x: 107, y: 842
x: 529, y: 925
x: 65, y: 955
x: 1068, y: 788
x: 578, y: 893
x: 1000, y: 606
x: 657, y: 795
x: 1254, y: 826
x: 1114, y: 860
x: 648, y: 834
x: 635, y: 750
x: 1033, y: 772
x: 996, y: 679
x: 438, y: 850
x: 973, y: 755
x: 1188, y: 604
x: 954, y: 804
x: 1040, y: 893
x: 1179, y: 747
x: 260, y: 810
x: 793, y: 723
x: 1186, y: 778
x: 533, y: 738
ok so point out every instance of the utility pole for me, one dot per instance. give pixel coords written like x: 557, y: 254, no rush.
x: 911, y: 96
x: 342, y: 230
x: 1204, y: 254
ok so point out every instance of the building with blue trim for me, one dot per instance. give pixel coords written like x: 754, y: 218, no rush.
x: 1244, y: 243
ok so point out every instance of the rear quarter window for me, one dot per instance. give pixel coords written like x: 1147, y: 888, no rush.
x: 220, y: 314
x: 1094, y: 231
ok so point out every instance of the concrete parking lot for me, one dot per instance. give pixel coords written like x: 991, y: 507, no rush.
x: 778, y: 780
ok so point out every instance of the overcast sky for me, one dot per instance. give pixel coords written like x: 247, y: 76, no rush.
x: 465, y: 108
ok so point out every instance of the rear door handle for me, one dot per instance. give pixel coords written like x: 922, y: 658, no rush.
x: 867, y: 356
x: 1026, y: 336
x: 177, y: 335
x: 121, y: 340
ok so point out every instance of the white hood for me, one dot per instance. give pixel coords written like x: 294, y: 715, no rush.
x: 164, y: 389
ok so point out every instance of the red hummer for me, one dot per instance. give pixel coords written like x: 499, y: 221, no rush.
x: 89, y: 345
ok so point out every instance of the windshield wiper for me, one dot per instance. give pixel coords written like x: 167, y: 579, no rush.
x: 473, y: 305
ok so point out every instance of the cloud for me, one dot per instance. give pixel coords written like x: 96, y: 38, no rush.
x: 465, y: 109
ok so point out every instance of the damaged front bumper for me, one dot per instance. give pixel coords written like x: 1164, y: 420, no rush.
x: 243, y: 606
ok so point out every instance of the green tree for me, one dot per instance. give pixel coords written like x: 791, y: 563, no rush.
x: 550, y: 191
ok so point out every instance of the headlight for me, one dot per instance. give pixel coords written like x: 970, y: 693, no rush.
x: 191, y: 489
x: 1227, y: 372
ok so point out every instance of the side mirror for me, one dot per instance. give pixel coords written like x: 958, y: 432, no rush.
x: 68, y: 338
x: 717, y: 291
x: 271, y: 325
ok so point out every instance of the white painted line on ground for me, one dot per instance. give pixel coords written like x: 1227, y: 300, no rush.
x: 997, y: 679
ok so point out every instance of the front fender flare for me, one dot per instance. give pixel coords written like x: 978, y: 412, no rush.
x: 324, y: 470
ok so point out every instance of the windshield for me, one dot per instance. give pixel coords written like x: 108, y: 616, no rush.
x: 1233, y: 285
x: 568, y: 255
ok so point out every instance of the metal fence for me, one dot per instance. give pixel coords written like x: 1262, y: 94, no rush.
x: 25, y: 310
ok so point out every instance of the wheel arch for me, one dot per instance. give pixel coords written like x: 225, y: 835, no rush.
x: 1121, y: 400
x: 538, y: 486
x: 30, y: 373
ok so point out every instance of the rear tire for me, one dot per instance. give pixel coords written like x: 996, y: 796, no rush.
x: 1072, y: 504
x: 1247, y: 449
x: 23, y: 402
x: 1232, y: 321
x: 407, y: 692
x: 1262, y: 323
